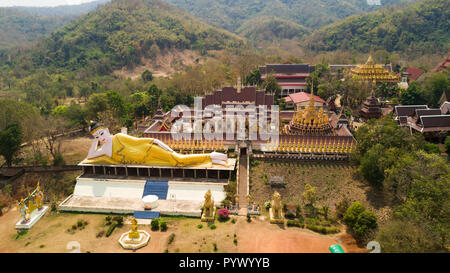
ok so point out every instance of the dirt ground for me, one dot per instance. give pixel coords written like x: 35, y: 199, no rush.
x: 50, y: 235
x: 334, y: 182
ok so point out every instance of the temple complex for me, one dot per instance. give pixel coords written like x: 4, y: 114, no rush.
x: 370, y: 71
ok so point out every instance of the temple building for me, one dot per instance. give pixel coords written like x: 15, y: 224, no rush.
x: 301, y: 99
x: 371, y: 108
x: 443, y: 66
x: 291, y: 77
x: 432, y: 123
x: 309, y: 121
x: 370, y: 71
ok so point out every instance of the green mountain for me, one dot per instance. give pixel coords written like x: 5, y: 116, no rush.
x: 120, y: 33
x: 64, y: 9
x: 21, y: 25
x: 269, y: 28
x: 419, y: 27
x: 232, y: 14
x: 18, y: 28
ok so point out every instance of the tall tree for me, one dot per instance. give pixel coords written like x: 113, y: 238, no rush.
x: 10, y: 141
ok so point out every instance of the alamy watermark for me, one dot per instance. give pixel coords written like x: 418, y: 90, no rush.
x: 374, y: 2
x: 234, y: 122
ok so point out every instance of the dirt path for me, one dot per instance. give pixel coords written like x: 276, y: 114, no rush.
x: 243, y: 184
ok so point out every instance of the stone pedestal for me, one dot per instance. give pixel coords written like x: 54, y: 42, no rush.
x: 208, y: 219
x: 133, y: 244
x: 34, y: 217
x: 274, y: 220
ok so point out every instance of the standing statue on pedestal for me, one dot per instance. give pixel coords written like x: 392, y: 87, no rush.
x: 276, y: 216
x: 39, y: 197
x: 124, y: 149
x: 208, y: 208
x: 23, y: 211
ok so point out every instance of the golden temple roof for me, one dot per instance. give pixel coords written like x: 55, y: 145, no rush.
x: 370, y: 71
x: 309, y: 120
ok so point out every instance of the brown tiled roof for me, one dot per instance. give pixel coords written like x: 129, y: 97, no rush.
x: 442, y: 121
x: 427, y: 112
x: 302, y: 97
x: 414, y: 72
x: 445, y: 108
x: 408, y: 110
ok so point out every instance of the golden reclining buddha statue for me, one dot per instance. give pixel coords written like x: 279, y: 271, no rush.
x: 121, y: 149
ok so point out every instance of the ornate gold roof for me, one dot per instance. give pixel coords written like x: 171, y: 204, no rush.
x: 310, y: 120
x: 370, y: 71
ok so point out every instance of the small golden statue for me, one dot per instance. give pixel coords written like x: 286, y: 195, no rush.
x: 208, y: 208
x: 276, y: 216
x: 134, y: 233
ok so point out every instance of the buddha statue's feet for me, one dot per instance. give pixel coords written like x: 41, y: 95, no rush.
x: 219, y: 157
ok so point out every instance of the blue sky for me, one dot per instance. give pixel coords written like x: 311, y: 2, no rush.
x: 41, y: 3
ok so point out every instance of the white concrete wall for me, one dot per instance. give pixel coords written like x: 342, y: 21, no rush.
x: 196, y: 191
x: 91, y: 187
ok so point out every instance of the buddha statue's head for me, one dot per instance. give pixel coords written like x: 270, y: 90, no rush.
x: 99, y: 131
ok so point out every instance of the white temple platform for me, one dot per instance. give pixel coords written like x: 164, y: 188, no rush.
x: 34, y: 218
x: 121, y: 196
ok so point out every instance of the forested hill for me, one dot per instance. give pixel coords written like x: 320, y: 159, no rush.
x: 421, y: 27
x: 269, y: 28
x: 18, y: 28
x: 231, y: 14
x: 22, y: 25
x: 120, y: 33
x: 64, y: 9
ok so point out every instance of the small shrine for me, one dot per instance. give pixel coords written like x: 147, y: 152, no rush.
x: 371, y: 108
x: 31, y: 209
x: 370, y: 71
x: 310, y: 121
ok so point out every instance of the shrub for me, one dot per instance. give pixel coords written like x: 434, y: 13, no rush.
x: 352, y: 213
x: 108, y: 220
x: 215, y: 246
x: 163, y: 225
x: 233, y: 221
x: 80, y: 223
x: 59, y: 160
x: 119, y: 220
x: 447, y: 144
x: 294, y: 223
x: 199, y: 226
x: 366, y: 222
x: 223, y: 213
x: 74, y: 227
x: 212, y: 226
x: 171, y: 238
x: 100, y: 234
x: 155, y: 224
x: 289, y: 215
x: 235, y: 241
x: 249, y: 218
x: 267, y: 205
x: 111, y: 229
x: 431, y: 148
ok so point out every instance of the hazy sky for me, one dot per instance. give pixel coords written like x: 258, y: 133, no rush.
x: 41, y: 3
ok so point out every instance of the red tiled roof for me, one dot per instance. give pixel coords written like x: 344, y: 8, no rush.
x: 302, y: 97
x: 414, y: 72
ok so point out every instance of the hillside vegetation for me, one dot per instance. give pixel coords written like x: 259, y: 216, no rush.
x: 420, y: 27
x: 122, y: 32
x: 270, y: 28
x: 232, y: 14
x: 18, y: 28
